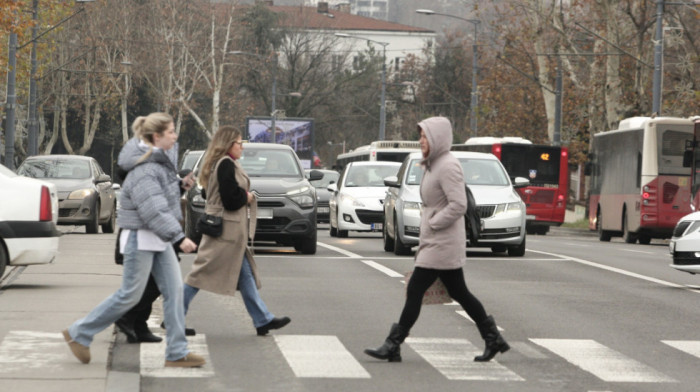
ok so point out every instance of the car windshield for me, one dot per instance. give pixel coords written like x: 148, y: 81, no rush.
x: 270, y: 163
x: 190, y: 160
x: 55, y: 168
x: 328, y: 178
x: 369, y: 175
x: 483, y: 172
x: 415, y: 173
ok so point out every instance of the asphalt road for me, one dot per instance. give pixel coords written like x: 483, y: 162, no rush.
x: 580, y: 315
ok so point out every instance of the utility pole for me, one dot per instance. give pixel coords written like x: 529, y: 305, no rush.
x: 32, y: 142
x: 658, y: 58
x: 11, y: 103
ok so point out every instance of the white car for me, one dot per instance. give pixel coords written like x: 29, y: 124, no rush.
x: 357, y: 199
x: 28, y: 217
x: 685, y: 244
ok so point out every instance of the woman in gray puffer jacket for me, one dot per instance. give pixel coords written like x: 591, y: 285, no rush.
x: 442, y: 247
x: 149, y: 217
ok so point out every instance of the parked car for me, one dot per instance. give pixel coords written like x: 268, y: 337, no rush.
x: 501, y: 209
x: 189, y: 159
x: 85, y: 193
x: 28, y: 215
x: 685, y: 244
x: 286, y: 200
x: 323, y: 196
x: 356, y: 200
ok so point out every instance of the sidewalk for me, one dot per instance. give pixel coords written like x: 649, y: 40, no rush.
x: 38, y: 302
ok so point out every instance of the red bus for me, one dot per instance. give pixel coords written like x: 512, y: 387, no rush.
x: 547, y: 168
x: 692, y: 159
x: 639, y: 187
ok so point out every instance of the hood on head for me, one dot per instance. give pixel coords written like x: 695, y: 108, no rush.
x: 438, y: 131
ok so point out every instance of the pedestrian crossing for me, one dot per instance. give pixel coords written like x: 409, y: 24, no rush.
x: 326, y: 356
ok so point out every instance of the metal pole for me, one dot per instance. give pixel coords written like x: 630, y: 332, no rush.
x: 382, y: 108
x: 10, y: 105
x: 274, y: 97
x: 658, y: 58
x: 32, y: 142
x: 474, y: 105
x: 556, y: 138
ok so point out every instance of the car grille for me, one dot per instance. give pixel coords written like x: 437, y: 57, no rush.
x: 274, y: 225
x: 269, y: 204
x: 680, y: 228
x: 486, y: 211
x: 66, y: 212
x: 322, y: 204
x: 685, y: 258
x: 368, y: 216
x: 497, y: 234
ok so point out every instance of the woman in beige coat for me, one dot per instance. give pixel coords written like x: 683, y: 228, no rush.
x: 225, y: 264
x: 442, y: 249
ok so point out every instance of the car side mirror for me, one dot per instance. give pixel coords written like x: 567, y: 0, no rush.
x: 315, y: 175
x: 392, y: 181
x: 103, y: 178
x: 521, y: 182
x: 333, y: 188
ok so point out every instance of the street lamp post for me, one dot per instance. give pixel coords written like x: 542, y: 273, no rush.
x: 382, y: 102
x: 474, y: 105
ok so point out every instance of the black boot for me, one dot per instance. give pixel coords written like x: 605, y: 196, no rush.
x: 494, y: 341
x: 391, y: 349
x: 125, y: 325
x: 144, y: 334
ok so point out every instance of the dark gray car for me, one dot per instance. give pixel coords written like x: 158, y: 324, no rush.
x: 85, y: 193
x: 286, y: 200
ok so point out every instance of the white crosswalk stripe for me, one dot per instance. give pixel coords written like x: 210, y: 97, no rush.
x: 315, y: 356
x: 601, y: 361
x: 454, y: 358
x: 23, y: 351
x: 691, y: 347
x: 153, y: 359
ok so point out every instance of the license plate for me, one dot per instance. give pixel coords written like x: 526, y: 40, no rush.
x: 530, y: 217
x: 377, y: 226
x: 264, y: 213
x: 324, y: 210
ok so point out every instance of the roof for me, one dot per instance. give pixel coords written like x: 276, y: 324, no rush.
x: 266, y: 146
x: 309, y: 18
x: 58, y: 156
x: 374, y: 163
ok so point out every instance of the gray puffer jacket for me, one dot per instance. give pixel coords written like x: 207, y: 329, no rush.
x: 150, y: 196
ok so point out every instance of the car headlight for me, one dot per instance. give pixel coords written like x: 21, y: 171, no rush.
x: 507, y: 207
x: 303, y: 196
x: 411, y: 205
x: 80, y: 194
x: 198, y: 200
x: 352, y: 200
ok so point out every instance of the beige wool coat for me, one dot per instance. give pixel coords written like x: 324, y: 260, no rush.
x: 219, y: 260
x: 442, y: 235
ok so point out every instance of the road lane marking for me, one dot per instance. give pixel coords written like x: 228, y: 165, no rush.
x: 153, y: 359
x: 454, y: 358
x: 319, y: 356
x: 339, y: 250
x: 601, y: 361
x: 691, y: 347
x: 619, y: 271
x: 527, y: 350
x: 637, y: 251
x: 383, y: 269
x: 28, y: 351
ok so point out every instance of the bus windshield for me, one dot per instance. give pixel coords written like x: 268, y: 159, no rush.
x: 539, y: 164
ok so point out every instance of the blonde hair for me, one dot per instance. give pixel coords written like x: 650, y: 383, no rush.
x: 145, y: 127
x: 218, y: 147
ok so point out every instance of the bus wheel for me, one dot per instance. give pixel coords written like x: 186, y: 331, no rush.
x: 603, y: 235
x: 644, y: 239
x: 627, y: 235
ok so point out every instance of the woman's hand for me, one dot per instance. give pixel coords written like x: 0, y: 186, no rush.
x: 188, y: 246
x: 187, y: 182
x: 251, y: 197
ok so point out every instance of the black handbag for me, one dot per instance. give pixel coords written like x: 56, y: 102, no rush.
x: 210, y: 225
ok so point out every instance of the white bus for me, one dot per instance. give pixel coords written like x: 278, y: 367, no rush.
x: 387, y: 150
x: 639, y: 188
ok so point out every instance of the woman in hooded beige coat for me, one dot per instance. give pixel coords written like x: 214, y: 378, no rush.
x: 442, y: 246
x: 226, y: 264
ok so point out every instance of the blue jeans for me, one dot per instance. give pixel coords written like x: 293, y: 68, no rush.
x: 138, y: 265
x: 249, y: 291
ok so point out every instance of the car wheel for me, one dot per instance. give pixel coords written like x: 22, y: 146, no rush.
x: 531, y: 230
x: 341, y: 233
x: 517, y: 251
x: 93, y: 226
x: 306, y: 246
x: 3, y: 259
x: 628, y: 236
x: 543, y: 230
x: 399, y: 248
x: 110, y: 225
x: 388, y: 242
x: 603, y: 235
x: 644, y: 239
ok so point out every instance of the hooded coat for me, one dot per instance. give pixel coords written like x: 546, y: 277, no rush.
x: 150, y: 196
x: 219, y: 260
x: 442, y: 235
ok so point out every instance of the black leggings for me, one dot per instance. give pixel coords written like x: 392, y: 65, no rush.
x: 421, y: 280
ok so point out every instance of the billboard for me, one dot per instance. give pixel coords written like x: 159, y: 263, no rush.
x: 297, y: 133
